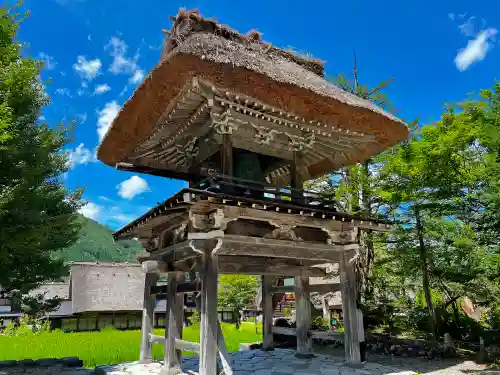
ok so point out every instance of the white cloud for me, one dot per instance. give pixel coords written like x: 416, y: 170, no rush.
x: 48, y: 61
x: 476, y: 49
x: 91, y: 210
x: 135, y: 185
x: 101, y: 89
x: 451, y: 16
x: 87, y: 69
x: 80, y: 155
x: 123, y: 64
x: 136, y: 77
x: 63, y: 91
x: 106, y: 116
x: 89, y: 37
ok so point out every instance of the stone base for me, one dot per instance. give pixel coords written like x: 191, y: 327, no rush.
x: 258, y: 362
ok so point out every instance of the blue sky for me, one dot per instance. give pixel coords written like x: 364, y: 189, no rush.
x: 98, y: 51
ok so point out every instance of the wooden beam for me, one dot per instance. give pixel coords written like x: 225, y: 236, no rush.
x: 313, y: 334
x: 316, y: 288
x: 326, y: 335
x: 221, y: 343
x: 267, y: 313
x: 187, y: 287
x: 348, y: 294
x: 146, y: 354
x: 227, y: 155
x: 285, y: 331
x: 173, y: 357
x: 303, y: 316
x: 208, y: 326
x: 264, y: 247
x: 182, y: 345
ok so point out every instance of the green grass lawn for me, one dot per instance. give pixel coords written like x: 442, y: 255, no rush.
x: 108, y: 346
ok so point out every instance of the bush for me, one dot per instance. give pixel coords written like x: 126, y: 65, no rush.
x: 321, y: 324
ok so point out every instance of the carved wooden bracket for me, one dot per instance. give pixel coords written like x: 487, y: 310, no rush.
x: 149, y: 243
x: 221, y: 123
x: 341, y: 238
x: 179, y: 234
x: 263, y: 135
x: 283, y: 232
x: 298, y: 143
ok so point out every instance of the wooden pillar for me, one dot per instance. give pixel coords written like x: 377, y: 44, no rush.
x: 172, y: 356
x: 348, y: 294
x: 227, y: 155
x: 267, y: 313
x: 148, y: 308
x: 303, y: 317
x: 208, y: 315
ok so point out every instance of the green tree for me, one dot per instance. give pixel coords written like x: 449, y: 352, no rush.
x: 236, y: 292
x: 37, y: 214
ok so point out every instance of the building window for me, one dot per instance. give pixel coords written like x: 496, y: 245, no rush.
x: 121, y: 321
x: 105, y: 321
x: 161, y: 322
x: 227, y: 316
x: 134, y: 321
x: 87, y: 323
x: 69, y: 324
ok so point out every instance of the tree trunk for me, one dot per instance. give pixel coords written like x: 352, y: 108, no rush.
x: 425, y: 272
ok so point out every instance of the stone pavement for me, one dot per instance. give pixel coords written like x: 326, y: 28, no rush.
x: 256, y: 362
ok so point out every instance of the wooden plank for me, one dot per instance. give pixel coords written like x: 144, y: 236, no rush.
x: 348, y: 284
x: 303, y: 316
x: 187, y: 287
x: 225, y: 358
x: 172, y: 357
x: 187, y: 346
x: 227, y: 155
x: 285, y: 331
x: 316, y: 288
x: 146, y: 354
x: 267, y: 311
x: 298, y: 220
x: 208, y: 326
x: 264, y: 247
x: 272, y: 270
x: 182, y: 345
x: 326, y: 335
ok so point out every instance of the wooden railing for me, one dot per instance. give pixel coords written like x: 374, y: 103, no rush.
x: 242, y: 188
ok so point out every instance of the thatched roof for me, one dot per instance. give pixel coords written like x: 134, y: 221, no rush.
x: 52, y: 290
x: 106, y: 287
x: 249, y: 67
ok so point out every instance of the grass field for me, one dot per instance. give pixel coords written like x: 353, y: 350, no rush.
x: 108, y: 346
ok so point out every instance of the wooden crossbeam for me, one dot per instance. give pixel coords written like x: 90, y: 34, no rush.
x: 313, y: 334
x: 316, y: 288
x: 187, y: 346
x: 263, y: 247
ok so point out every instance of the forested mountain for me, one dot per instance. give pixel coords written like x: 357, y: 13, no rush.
x: 96, y: 244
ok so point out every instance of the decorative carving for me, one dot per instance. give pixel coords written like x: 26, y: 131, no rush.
x: 263, y: 135
x: 207, y: 222
x: 284, y: 232
x: 179, y: 234
x: 299, y: 143
x: 221, y: 123
x: 341, y: 237
x: 190, y: 150
x: 149, y: 243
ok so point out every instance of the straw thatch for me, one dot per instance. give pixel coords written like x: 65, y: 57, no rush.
x: 106, y: 287
x: 52, y: 290
x: 254, y: 70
